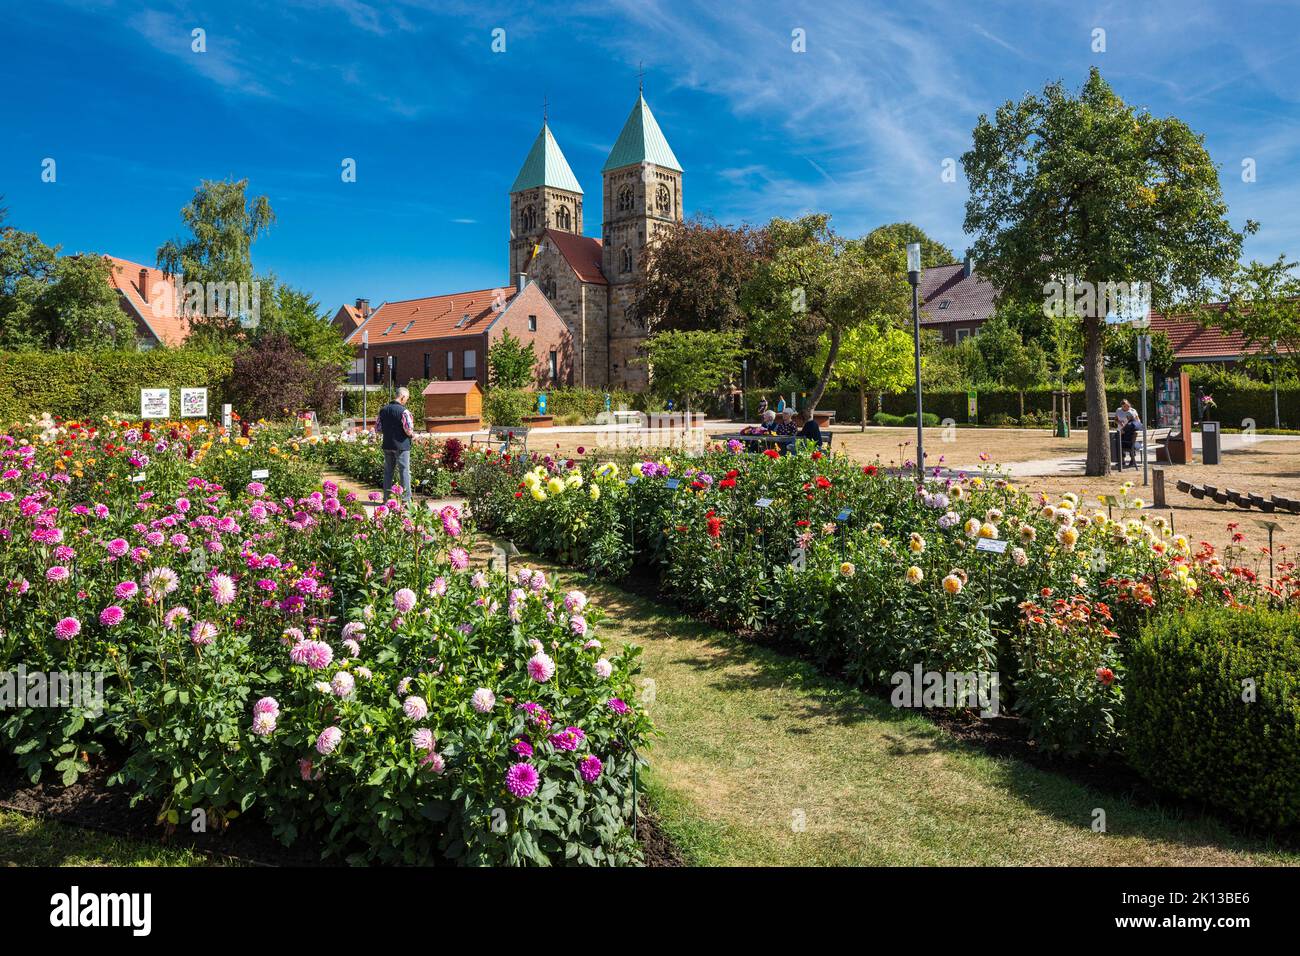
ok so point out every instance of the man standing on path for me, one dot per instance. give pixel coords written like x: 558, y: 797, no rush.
x: 396, y: 426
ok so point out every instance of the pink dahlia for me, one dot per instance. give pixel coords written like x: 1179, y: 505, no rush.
x: 483, y: 700
x: 568, y: 739
x: 541, y: 668
x: 67, y: 629
x: 415, y: 708
x: 404, y: 600
x: 522, y: 780
x: 575, y: 601
x: 329, y: 739
x: 117, y: 547
x: 459, y: 558
x: 111, y: 616
x: 343, y: 684
x: 267, y: 705
x: 618, y: 706
x: 264, y: 724
x: 590, y: 768
x: 422, y: 739
x: 126, y: 590
x: 223, y: 589
x: 57, y: 574
x: 202, y: 633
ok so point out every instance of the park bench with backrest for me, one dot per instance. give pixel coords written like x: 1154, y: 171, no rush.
x: 505, y: 434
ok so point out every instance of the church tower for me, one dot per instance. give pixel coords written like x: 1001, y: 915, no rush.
x: 545, y: 195
x: 642, y: 197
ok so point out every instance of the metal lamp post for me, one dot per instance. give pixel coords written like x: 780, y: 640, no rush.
x: 914, y: 277
x: 365, y: 374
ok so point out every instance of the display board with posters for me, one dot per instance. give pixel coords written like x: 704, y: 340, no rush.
x: 155, y: 403
x: 194, y: 403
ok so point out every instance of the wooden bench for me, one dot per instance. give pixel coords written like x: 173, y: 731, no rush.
x: 505, y: 434
x: 1154, y: 439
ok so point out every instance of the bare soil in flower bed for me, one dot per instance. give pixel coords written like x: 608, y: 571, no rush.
x: 92, y: 804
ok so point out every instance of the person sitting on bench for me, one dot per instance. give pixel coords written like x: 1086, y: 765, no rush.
x: 808, y: 428
x: 1129, y: 425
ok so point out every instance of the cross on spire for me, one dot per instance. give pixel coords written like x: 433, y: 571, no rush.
x: 546, y: 100
x: 640, y: 76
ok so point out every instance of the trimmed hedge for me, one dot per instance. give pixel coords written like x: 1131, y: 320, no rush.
x: 1192, y: 726
x: 88, y: 385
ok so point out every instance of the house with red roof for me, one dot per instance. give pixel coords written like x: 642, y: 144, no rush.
x: 955, y: 300
x: 447, y: 337
x: 153, y: 299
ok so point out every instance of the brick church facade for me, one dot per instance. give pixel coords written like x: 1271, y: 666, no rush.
x: 589, y: 280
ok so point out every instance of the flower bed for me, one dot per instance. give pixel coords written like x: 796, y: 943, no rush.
x: 877, y: 575
x: 345, y: 674
x: 435, y: 465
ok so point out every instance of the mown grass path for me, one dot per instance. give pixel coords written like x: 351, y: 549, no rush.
x: 762, y: 760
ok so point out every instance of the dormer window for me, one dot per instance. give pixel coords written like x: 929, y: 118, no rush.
x: 408, y: 327
x: 944, y: 304
x: 464, y: 320
x: 390, y: 328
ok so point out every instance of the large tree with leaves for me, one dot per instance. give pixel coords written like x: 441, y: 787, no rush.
x: 690, y: 365
x: 1263, y: 304
x: 818, y: 283
x: 873, y: 360
x: 1083, y: 188
x: 223, y: 223
x: 900, y: 234
x: 691, y: 276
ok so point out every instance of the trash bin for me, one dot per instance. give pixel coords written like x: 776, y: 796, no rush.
x: 1116, y: 450
x: 1062, y: 428
x: 1209, y: 443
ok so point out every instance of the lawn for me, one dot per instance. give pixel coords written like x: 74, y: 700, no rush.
x: 760, y: 760
x: 28, y: 841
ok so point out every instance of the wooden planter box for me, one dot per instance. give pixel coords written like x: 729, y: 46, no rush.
x: 539, y: 421
x: 453, y: 423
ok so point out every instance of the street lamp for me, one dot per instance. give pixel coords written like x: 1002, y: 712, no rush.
x: 914, y: 277
x: 365, y: 374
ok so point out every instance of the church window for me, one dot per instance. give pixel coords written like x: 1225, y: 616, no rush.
x: 563, y: 219
x: 625, y: 199
x: 664, y: 200
x: 627, y: 260
x: 528, y: 219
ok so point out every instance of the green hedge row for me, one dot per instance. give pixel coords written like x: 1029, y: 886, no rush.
x: 1213, y: 710
x: 88, y: 385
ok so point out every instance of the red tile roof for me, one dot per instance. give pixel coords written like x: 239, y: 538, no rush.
x: 1193, y: 342
x: 949, y: 295
x: 583, y: 254
x: 157, y: 304
x: 436, y: 316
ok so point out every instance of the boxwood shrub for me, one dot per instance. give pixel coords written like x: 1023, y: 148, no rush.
x: 1214, y: 710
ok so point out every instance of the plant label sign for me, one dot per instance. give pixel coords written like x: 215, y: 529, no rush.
x: 194, y: 403
x: 634, y: 479
x: 991, y: 546
x: 671, y: 484
x: 843, y: 516
x: 763, y: 503
x: 260, y: 473
x: 155, y: 402
x: 136, y: 479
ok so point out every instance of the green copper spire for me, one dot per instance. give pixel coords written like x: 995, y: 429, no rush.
x: 642, y: 141
x: 546, y: 166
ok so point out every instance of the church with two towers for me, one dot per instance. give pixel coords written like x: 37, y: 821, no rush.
x: 588, y: 280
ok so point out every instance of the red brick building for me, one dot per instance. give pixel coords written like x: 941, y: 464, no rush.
x: 447, y: 337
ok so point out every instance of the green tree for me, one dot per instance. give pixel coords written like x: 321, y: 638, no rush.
x: 223, y: 223
x: 901, y: 233
x: 1263, y: 304
x: 873, y: 361
x: 1084, y: 190
x: 511, y: 362
x: 690, y: 365
x: 297, y: 316
x: 818, y: 283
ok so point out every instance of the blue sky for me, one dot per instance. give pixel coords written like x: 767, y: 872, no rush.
x: 858, y: 125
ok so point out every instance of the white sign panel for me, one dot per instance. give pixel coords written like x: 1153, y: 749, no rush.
x: 155, y: 402
x: 194, y: 403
